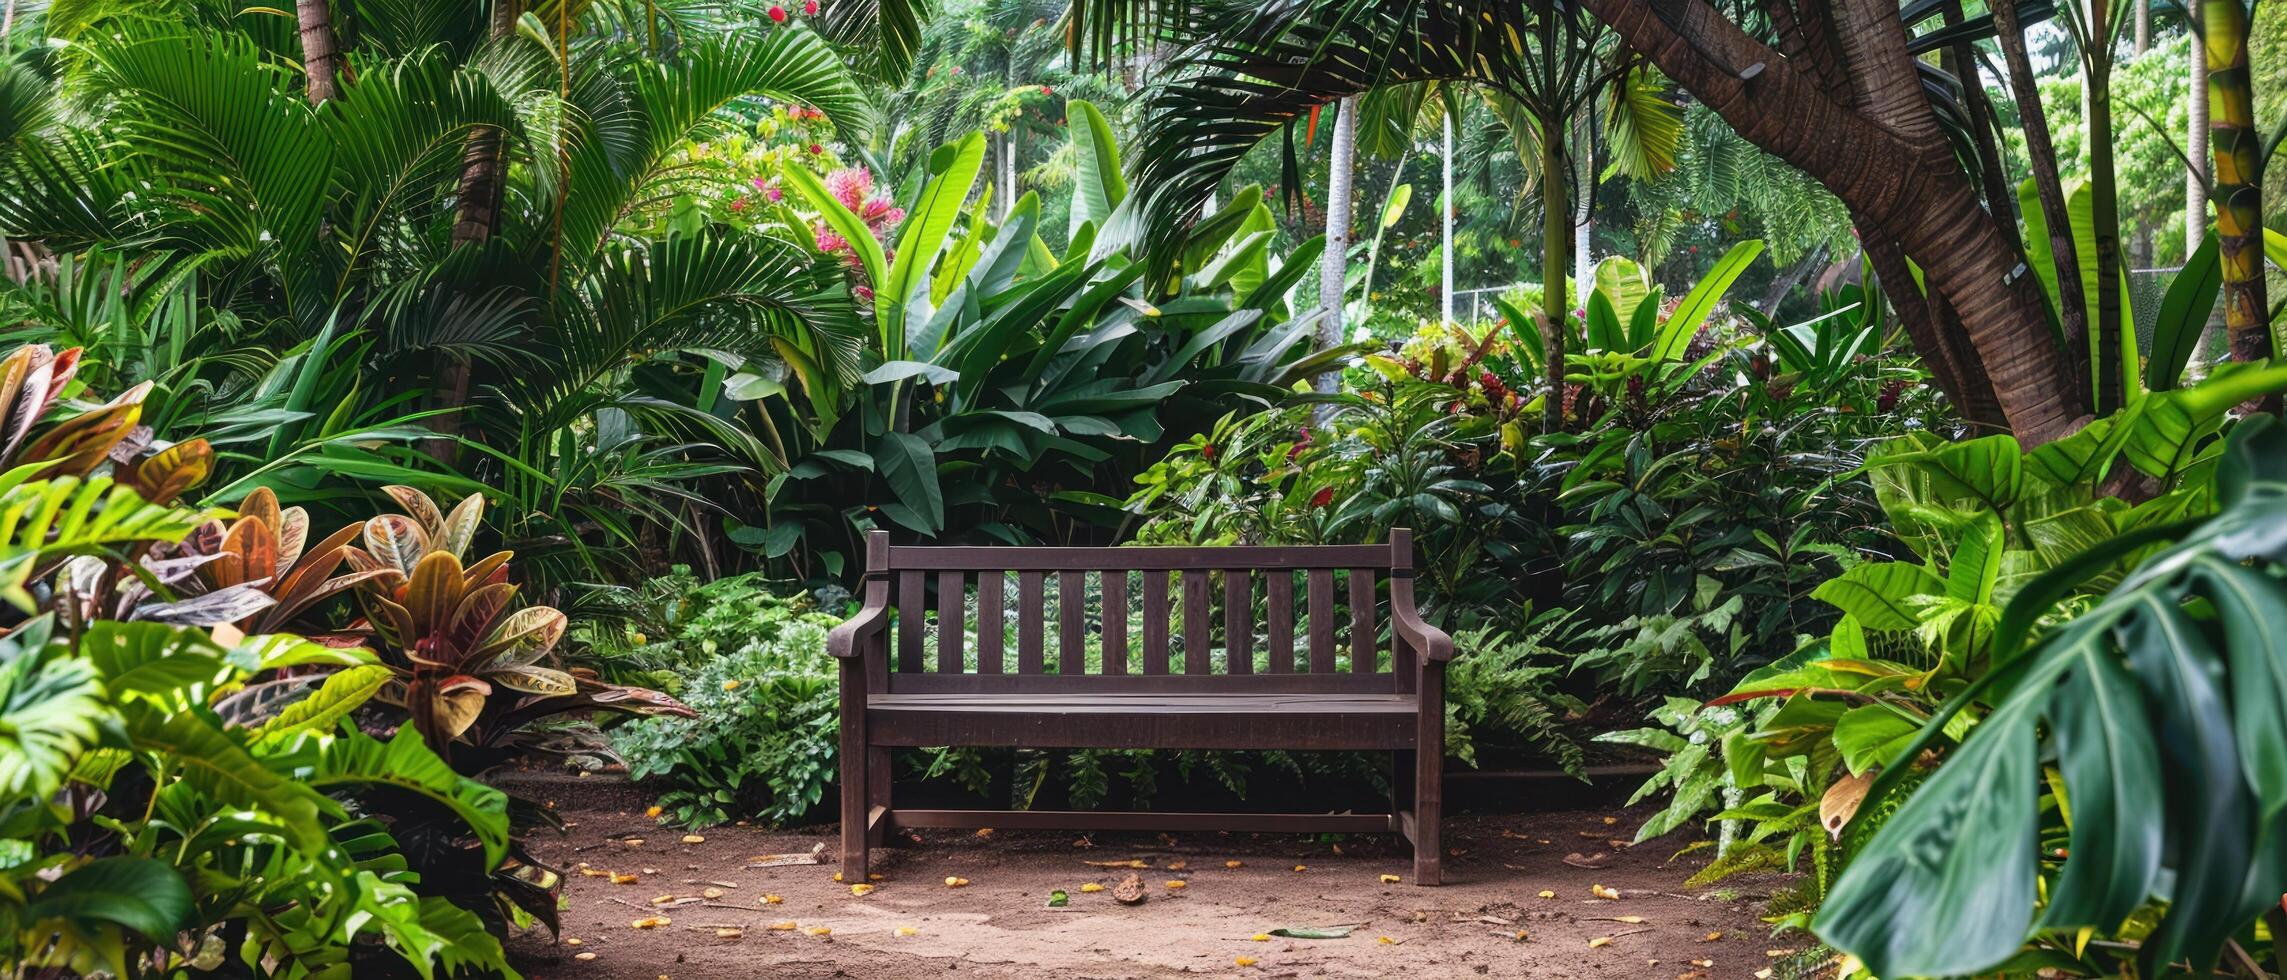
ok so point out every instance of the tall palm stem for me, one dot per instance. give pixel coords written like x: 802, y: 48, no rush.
x: 1333, y: 265
x: 2072, y: 299
x: 321, y: 53
x: 2237, y: 180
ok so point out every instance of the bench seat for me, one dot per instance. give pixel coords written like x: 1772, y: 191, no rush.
x: 1128, y: 721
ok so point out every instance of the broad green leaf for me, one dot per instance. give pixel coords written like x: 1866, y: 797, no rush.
x: 909, y: 466
x: 1394, y: 209
x: 1976, y: 562
x: 344, y: 691
x: 1099, y: 186
x: 1870, y: 735
x: 1875, y: 593
x: 953, y: 169
x: 1692, y: 312
x: 51, y: 705
x: 2184, y: 313
x: 140, y: 894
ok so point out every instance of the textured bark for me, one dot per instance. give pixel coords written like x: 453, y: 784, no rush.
x: 476, y: 217
x: 1334, y: 263
x: 321, y: 55
x: 2196, y: 149
x: 2000, y: 197
x: 2072, y: 299
x: 2104, y: 218
x: 1913, y: 192
x: 1951, y: 362
x: 2238, y: 179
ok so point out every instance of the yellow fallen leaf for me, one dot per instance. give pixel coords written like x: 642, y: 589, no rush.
x: 1176, y: 883
x: 837, y: 876
x: 1391, y: 879
x: 625, y: 879
x: 693, y: 839
x: 821, y: 931
x: 662, y: 899
x: 654, y: 813
x: 1091, y: 888
x: 1711, y: 937
x: 1703, y: 964
x: 1634, y: 920
x: 1610, y: 894
x: 1245, y: 961
x: 782, y: 927
x: 583, y: 957
x: 771, y: 900
x: 956, y: 882
x: 731, y: 685
x: 1519, y: 937
x: 1300, y: 867
x: 653, y: 922
x: 1234, y: 864
x: 1179, y: 865
x: 861, y: 889
x: 1599, y: 941
x: 633, y: 842
x: 1134, y: 863
x: 1261, y: 937
x: 1609, y: 821
x: 729, y: 933
x: 588, y: 872
x: 711, y: 893
x: 984, y: 831
x: 1385, y: 940
x: 908, y: 931
x: 1545, y: 893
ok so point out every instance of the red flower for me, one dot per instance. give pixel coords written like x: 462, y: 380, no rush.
x: 1045, y: 90
x: 777, y: 13
x: 1323, y: 498
x: 810, y: 8
x: 815, y: 148
x: 738, y: 204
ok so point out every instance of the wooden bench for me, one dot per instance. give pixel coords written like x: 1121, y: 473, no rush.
x: 1352, y: 679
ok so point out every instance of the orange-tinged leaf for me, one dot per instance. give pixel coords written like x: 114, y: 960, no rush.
x: 523, y: 636
x: 164, y: 475
x: 397, y: 541
x: 417, y: 505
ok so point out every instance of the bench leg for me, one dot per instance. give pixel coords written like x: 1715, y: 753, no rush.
x: 1401, y: 787
x: 1428, y: 808
x: 878, y: 773
x: 856, y: 782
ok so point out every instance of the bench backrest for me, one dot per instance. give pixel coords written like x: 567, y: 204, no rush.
x: 968, y: 620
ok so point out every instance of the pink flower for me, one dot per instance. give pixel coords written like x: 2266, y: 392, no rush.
x: 738, y: 204
x: 815, y: 148
x: 1045, y: 90
x: 830, y: 241
x: 810, y: 8
x: 777, y: 13
x: 851, y: 186
x: 759, y: 183
x: 865, y: 293
x: 773, y: 193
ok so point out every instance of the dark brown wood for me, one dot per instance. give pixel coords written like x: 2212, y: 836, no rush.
x: 1029, y: 597
x: 990, y: 602
x: 1115, y: 620
x: 1136, y: 559
x: 1278, y: 598
x: 1072, y: 622
x: 1155, y: 622
x: 951, y: 656
x: 1362, y: 658
x: 912, y: 620
x: 1321, y: 620
x: 1195, y: 629
x: 1312, y: 706
x: 1269, y: 823
x: 1238, y: 621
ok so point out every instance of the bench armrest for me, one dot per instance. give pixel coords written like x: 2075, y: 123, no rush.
x: 848, y: 640
x: 1429, y: 642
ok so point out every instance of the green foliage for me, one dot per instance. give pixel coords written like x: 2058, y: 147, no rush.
x: 764, y: 742
x: 1504, y: 685
x: 2161, y: 703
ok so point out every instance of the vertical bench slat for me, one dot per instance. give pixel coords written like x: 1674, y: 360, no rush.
x: 1195, y: 628
x: 1362, y: 658
x: 1278, y: 596
x: 1321, y: 620
x: 1071, y: 622
x: 989, y: 606
x: 910, y: 616
x: 1155, y: 622
x: 1115, y: 619
x: 950, y: 618
x: 1238, y: 620
x: 1028, y: 622
x: 1401, y: 591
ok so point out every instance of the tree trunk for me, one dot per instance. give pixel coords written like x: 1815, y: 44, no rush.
x: 2238, y: 180
x: 1556, y: 246
x: 2112, y: 379
x: 1584, y: 211
x: 1445, y: 224
x: 2196, y: 179
x: 1912, y: 190
x: 2000, y: 196
x: 2072, y: 298
x: 321, y: 58
x: 476, y: 215
x: 1333, y: 265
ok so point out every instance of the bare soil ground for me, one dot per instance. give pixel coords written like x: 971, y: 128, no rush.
x: 1511, y: 906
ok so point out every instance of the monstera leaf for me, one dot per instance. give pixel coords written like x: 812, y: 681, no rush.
x: 2165, y: 706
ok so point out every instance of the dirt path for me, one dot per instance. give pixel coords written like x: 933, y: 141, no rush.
x: 1489, y: 920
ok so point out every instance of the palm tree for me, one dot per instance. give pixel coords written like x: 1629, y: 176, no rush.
x: 177, y: 133
x: 2238, y: 180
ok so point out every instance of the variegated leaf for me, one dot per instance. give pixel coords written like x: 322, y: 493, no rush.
x: 459, y: 528
x: 522, y: 637
x: 397, y: 541
x: 417, y: 504
x: 433, y: 593
x: 534, y: 680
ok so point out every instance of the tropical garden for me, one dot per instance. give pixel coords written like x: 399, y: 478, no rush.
x: 1847, y: 431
